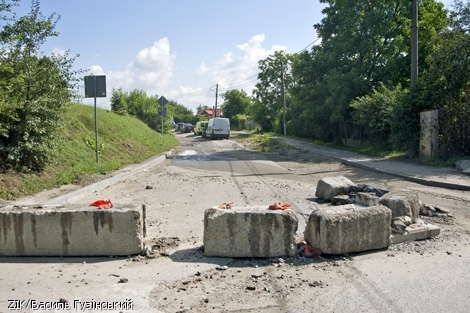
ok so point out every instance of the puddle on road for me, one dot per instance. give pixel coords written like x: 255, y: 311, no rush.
x: 191, y: 158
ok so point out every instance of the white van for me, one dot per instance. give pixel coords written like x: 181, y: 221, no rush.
x: 218, y: 127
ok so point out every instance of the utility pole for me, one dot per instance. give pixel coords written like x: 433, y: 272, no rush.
x: 414, y: 41
x: 283, y: 99
x: 216, y: 91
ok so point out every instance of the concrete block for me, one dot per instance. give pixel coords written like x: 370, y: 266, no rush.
x: 249, y: 232
x: 366, y: 199
x: 402, y: 203
x: 329, y: 187
x: 416, y: 232
x: 71, y: 230
x: 349, y: 228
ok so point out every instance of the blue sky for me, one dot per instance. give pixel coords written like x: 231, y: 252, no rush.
x: 179, y: 48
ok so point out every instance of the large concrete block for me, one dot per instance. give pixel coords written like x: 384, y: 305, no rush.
x: 329, y: 187
x: 402, y: 203
x: 349, y: 228
x: 71, y: 230
x: 249, y: 232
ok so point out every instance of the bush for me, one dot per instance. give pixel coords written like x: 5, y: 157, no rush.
x: 374, y: 113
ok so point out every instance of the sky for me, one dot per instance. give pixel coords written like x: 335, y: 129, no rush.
x: 179, y: 49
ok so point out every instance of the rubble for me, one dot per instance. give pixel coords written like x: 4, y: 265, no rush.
x: 463, y: 166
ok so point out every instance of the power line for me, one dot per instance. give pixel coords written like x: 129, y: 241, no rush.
x: 245, y: 81
x: 309, y: 45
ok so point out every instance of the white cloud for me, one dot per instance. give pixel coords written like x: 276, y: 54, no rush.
x: 201, y: 69
x: 58, y: 51
x: 95, y: 70
x: 151, y: 69
x: 232, y: 71
x: 232, y: 68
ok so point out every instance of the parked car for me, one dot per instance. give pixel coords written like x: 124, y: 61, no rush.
x: 178, y: 126
x: 218, y: 127
x: 187, y: 128
x: 199, y: 127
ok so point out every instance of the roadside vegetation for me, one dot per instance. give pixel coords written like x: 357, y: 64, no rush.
x: 354, y: 84
x: 122, y: 140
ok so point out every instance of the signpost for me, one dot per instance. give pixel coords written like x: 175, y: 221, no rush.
x: 95, y: 86
x: 162, y: 110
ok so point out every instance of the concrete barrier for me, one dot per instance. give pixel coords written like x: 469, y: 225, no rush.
x: 71, y: 230
x: 402, y: 203
x: 249, y: 232
x: 349, y: 228
x: 329, y: 187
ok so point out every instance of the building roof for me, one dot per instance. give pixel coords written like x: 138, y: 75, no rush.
x: 209, y: 112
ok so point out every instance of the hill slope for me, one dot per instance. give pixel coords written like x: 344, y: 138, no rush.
x: 122, y: 140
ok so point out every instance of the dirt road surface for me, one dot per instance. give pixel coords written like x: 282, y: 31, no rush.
x: 425, y: 276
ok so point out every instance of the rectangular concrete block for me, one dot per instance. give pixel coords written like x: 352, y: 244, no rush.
x: 249, y: 232
x: 329, y: 187
x: 402, y: 203
x: 349, y: 228
x: 71, y: 230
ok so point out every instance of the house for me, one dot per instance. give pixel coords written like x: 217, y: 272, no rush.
x: 209, y: 113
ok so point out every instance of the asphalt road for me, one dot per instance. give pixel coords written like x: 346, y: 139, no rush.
x: 425, y: 276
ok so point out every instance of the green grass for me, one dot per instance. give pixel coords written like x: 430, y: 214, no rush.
x: 123, y: 140
x: 366, y: 149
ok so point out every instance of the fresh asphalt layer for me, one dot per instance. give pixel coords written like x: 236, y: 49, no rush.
x: 449, y: 178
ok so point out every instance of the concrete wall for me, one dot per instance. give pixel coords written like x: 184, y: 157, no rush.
x: 249, y: 232
x: 71, y: 230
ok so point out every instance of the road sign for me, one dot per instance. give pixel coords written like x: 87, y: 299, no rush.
x: 162, y: 101
x: 162, y: 112
x: 95, y: 86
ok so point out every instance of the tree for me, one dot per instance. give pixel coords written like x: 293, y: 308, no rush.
x: 181, y: 113
x: 364, y: 44
x: 39, y: 88
x: 267, y: 95
x: 118, y: 101
x: 237, y: 104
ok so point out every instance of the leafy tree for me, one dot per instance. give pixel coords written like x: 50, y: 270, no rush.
x: 38, y: 88
x: 237, y: 103
x: 364, y: 44
x: 181, y: 113
x: 202, y: 107
x: 118, y: 101
x: 374, y: 113
x: 267, y: 95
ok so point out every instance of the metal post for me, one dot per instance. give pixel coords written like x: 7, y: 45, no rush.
x: 96, y: 121
x: 283, y: 99
x: 216, y: 91
x: 414, y: 41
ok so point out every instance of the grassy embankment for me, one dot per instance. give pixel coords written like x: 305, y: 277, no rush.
x: 125, y: 140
